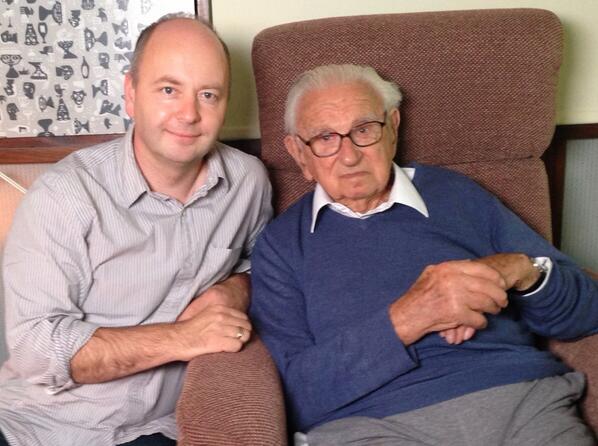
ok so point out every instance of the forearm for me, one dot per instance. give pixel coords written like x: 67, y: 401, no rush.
x: 566, y: 308
x: 113, y: 353
x: 237, y: 288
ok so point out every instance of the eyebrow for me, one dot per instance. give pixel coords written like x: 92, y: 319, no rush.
x: 356, y: 123
x: 174, y: 81
x: 167, y: 80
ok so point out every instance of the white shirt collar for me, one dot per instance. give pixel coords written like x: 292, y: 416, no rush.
x: 403, y: 192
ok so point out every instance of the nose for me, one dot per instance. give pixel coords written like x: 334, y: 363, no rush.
x: 349, y: 154
x: 188, y: 111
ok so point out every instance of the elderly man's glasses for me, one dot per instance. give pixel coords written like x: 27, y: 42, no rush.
x: 362, y: 135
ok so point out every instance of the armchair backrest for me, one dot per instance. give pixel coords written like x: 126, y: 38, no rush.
x: 479, y: 92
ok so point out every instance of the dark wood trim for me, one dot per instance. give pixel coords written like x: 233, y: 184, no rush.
x: 576, y: 131
x: 554, y: 158
x: 45, y: 149
x: 49, y: 149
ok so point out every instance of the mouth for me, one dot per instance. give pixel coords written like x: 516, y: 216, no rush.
x: 352, y: 175
x: 184, y: 135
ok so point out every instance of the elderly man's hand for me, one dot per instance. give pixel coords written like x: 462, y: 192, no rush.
x: 515, y: 268
x: 517, y: 272
x: 457, y: 335
x: 446, y: 296
x: 232, y: 292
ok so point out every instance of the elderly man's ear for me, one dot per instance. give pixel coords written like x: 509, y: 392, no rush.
x: 395, y: 120
x: 295, y: 149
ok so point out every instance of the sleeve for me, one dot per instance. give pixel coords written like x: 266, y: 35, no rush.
x: 264, y: 215
x: 566, y: 307
x: 321, y: 376
x: 46, y: 275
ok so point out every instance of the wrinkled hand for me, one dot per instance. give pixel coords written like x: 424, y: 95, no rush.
x: 515, y: 268
x: 457, y: 335
x: 447, y: 296
x: 517, y: 272
x: 217, y: 328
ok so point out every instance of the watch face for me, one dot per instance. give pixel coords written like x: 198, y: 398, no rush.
x: 540, y: 263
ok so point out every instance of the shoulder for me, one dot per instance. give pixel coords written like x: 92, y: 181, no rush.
x: 88, y: 162
x: 240, y: 163
x: 295, y: 220
x: 435, y: 181
x: 67, y: 182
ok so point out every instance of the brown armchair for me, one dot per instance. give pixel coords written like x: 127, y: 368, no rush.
x: 479, y: 90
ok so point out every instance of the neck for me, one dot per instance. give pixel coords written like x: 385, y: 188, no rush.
x: 175, y: 180
x: 367, y: 204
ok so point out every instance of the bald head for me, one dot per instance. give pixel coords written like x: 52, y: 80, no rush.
x: 168, y: 24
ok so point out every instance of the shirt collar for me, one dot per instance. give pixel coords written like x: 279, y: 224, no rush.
x: 216, y: 172
x: 402, y: 191
x: 135, y: 185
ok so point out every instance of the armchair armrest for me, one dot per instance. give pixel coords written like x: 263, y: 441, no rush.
x: 582, y: 355
x: 232, y: 399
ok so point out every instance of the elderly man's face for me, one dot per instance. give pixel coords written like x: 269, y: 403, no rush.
x: 357, y: 177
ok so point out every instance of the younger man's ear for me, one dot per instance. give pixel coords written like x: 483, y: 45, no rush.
x: 129, y: 95
x: 298, y: 154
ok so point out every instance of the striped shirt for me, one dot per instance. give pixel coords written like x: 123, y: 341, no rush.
x: 92, y: 246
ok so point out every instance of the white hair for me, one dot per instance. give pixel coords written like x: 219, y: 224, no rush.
x: 329, y: 75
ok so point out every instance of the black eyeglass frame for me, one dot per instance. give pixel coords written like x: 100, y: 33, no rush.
x: 309, y: 142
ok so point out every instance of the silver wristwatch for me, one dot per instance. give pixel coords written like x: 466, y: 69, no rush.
x: 540, y: 264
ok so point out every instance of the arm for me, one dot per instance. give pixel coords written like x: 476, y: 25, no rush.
x: 113, y: 353
x: 567, y: 306
x: 46, y: 273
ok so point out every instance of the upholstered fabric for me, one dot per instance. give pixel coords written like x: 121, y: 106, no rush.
x: 479, y: 91
x: 24, y: 175
x: 478, y: 85
x: 246, y: 407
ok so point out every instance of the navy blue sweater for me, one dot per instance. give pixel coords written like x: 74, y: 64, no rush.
x: 320, y: 303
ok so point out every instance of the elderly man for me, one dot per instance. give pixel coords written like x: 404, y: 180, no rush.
x: 128, y: 259
x: 400, y: 304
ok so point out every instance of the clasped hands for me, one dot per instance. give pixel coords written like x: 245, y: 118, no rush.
x: 452, y: 298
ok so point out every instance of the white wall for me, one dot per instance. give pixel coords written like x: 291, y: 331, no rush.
x: 238, y: 21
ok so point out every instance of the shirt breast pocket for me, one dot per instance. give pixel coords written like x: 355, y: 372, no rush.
x: 219, y: 263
